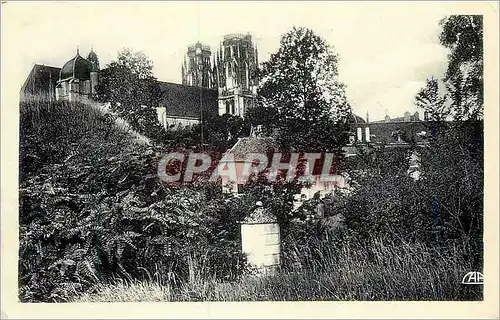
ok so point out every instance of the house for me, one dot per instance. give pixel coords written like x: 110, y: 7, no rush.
x: 241, y: 156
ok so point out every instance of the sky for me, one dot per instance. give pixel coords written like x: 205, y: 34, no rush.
x: 387, y: 50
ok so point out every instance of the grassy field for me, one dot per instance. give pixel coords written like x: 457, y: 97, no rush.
x: 376, y: 272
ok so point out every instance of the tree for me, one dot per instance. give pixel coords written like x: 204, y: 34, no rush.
x: 430, y: 101
x: 137, y: 62
x: 452, y: 184
x: 222, y: 132
x: 463, y: 36
x: 300, y: 86
x: 130, y: 86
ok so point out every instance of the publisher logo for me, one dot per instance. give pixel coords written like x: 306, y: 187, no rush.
x: 473, y: 277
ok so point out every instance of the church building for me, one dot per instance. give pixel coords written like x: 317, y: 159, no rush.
x: 236, y: 63
x: 78, y: 78
x: 230, y: 71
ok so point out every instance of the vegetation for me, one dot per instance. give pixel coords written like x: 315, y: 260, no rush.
x: 129, y: 86
x: 463, y: 99
x: 373, y: 270
x: 301, y: 97
x: 92, y: 207
x: 92, y: 212
x: 429, y: 100
x: 96, y: 223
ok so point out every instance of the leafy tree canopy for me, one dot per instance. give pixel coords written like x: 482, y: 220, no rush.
x: 301, y: 91
x: 129, y: 84
x: 463, y: 36
x: 430, y: 100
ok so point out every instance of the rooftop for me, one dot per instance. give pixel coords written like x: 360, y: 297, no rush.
x: 244, y: 146
x: 187, y: 101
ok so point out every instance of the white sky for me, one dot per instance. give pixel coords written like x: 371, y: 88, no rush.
x: 386, y: 50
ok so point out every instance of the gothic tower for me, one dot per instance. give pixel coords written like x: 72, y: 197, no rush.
x: 235, y: 64
x: 197, y: 67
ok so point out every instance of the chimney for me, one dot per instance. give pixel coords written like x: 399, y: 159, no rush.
x: 367, y: 117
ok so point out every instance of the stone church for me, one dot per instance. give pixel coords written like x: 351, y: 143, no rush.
x: 75, y: 81
x: 230, y: 70
x: 221, y: 82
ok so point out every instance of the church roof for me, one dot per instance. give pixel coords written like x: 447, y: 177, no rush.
x: 187, y: 101
x: 352, y: 118
x: 41, y: 80
x: 78, y: 68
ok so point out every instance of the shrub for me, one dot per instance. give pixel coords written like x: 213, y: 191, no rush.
x: 92, y: 209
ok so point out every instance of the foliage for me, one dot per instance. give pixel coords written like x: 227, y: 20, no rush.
x: 275, y: 196
x: 431, y: 102
x: 443, y: 206
x: 384, y: 202
x: 221, y: 132
x: 92, y: 208
x: 463, y: 36
x: 137, y: 62
x: 452, y: 185
x: 354, y: 270
x: 300, y: 86
x: 131, y: 89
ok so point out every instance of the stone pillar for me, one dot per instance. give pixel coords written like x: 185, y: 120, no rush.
x: 260, y: 240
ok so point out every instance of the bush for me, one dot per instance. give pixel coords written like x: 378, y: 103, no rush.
x: 444, y: 207
x: 92, y: 209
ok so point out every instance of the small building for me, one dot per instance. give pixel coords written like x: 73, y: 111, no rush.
x: 268, y: 146
x: 260, y: 239
x: 238, y: 153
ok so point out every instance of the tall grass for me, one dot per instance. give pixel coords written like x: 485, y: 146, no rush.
x: 86, y: 114
x: 373, y: 271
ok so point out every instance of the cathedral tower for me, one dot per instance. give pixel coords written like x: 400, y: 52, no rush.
x: 235, y: 64
x: 197, y: 67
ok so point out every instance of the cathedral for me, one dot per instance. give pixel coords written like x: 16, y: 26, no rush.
x: 220, y: 82
x: 230, y: 70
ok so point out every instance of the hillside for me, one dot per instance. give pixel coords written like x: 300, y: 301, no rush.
x: 92, y: 208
